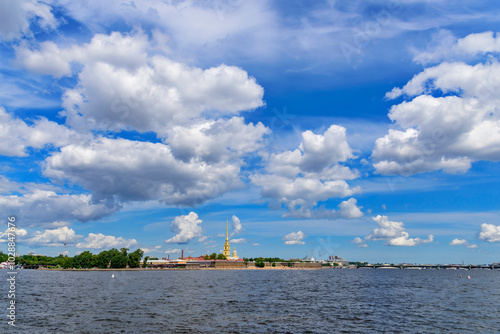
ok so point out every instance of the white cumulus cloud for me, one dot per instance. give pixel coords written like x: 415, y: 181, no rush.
x: 186, y: 228
x: 151, y: 250
x: 448, y: 47
x: 41, y: 207
x: 124, y: 83
x: 446, y: 133
x: 214, y: 141
x: 17, y: 15
x: 311, y: 173
x: 238, y: 241
x: 237, y: 227
x: 489, y: 233
x: 18, y: 232
x: 173, y: 251
x: 16, y: 136
x: 394, y: 233
x: 121, y: 87
x: 100, y: 241
x: 294, y: 238
x: 134, y: 170
x: 462, y: 242
x: 456, y: 242
x: 55, y: 237
x: 359, y: 242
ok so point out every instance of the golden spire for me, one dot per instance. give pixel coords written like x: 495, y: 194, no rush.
x: 227, y: 247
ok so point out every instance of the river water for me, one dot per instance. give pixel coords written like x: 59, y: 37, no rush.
x: 255, y: 301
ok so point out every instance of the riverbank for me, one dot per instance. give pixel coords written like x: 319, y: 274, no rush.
x: 166, y: 269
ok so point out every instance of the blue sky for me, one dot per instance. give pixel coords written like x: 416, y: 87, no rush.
x: 364, y: 129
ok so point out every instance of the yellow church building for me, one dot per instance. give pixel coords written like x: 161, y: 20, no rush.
x: 227, y: 246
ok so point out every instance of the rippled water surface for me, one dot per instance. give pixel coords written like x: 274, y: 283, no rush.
x: 256, y: 301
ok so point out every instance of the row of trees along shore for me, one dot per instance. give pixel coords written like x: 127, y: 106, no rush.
x: 112, y: 258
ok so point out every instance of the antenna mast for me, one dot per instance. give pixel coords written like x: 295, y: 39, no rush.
x: 65, y: 239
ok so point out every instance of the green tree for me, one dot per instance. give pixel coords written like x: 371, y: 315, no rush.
x: 3, y: 257
x: 84, y: 260
x: 66, y: 262
x: 76, y: 262
x: 124, y: 251
x: 113, y: 252
x: 103, y: 259
x: 260, y: 264
x: 221, y: 257
x: 119, y: 261
x: 213, y: 256
x: 134, y: 258
x: 95, y: 261
x: 145, y: 262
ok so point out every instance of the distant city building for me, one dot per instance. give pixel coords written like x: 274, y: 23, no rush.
x: 309, y: 259
x: 338, y: 259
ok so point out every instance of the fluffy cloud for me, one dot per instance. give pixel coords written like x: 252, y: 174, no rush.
x: 443, y: 132
x: 489, y: 233
x: 101, y: 241
x: 173, y: 251
x: 237, y: 227
x: 193, y: 25
x: 456, y: 242
x: 151, y: 250
x: 17, y: 15
x: 301, y: 178
x: 327, y: 32
x: 132, y: 170
x: 238, y: 241
x: 347, y: 210
x: 121, y: 87
x: 186, y: 228
x: 447, y: 47
x: 214, y: 141
x: 462, y: 242
x: 128, y: 52
x: 55, y: 237
x: 394, y: 233
x: 16, y: 136
x: 316, y: 154
x: 294, y: 238
x: 19, y: 232
x: 359, y: 242
x: 43, y: 207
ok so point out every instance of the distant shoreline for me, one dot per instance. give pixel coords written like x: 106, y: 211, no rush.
x: 184, y: 269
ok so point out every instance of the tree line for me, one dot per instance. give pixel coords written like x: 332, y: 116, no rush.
x: 215, y: 256
x: 112, y: 258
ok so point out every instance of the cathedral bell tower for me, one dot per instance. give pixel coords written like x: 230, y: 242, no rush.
x: 227, y: 247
